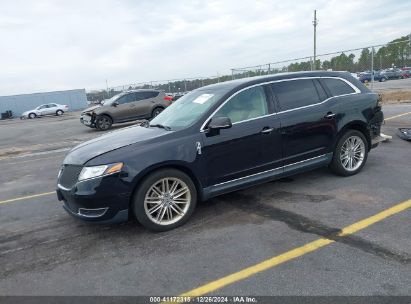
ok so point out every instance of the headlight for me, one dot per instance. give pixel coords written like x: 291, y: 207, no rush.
x: 96, y: 171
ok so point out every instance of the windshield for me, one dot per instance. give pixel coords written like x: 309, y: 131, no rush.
x: 188, y: 109
x: 111, y: 100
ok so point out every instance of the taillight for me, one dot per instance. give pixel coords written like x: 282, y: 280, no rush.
x: 168, y: 98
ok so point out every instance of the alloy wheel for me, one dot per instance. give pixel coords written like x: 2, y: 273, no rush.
x: 167, y: 201
x: 352, y: 153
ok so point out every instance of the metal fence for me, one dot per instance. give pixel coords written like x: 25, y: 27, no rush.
x: 385, y: 59
x: 373, y: 63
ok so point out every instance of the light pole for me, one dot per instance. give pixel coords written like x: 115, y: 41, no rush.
x: 315, y: 23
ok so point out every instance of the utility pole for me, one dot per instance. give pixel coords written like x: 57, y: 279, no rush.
x: 372, y: 68
x: 315, y: 23
x: 108, y: 96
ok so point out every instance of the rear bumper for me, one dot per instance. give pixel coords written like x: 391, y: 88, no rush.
x: 375, y: 129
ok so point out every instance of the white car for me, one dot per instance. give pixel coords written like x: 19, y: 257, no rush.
x: 46, y: 109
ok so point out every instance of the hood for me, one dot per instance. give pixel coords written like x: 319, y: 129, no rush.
x: 92, y: 108
x: 82, y: 153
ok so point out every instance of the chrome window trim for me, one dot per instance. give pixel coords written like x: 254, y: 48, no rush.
x: 356, y: 91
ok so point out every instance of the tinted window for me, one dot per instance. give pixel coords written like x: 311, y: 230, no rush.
x: 126, y: 98
x: 295, y: 93
x: 248, y: 104
x: 337, y: 86
x: 151, y: 94
x: 52, y: 105
x: 145, y: 95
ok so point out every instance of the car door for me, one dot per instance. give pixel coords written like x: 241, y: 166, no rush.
x: 308, y: 125
x: 51, y: 109
x: 123, y: 111
x: 251, y: 146
x: 42, y: 110
x: 144, y: 104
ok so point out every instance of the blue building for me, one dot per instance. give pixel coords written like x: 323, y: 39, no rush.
x: 75, y: 99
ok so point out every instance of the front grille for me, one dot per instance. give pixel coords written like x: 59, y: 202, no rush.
x: 69, y: 175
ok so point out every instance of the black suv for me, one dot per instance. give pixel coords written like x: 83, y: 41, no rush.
x: 222, y: 138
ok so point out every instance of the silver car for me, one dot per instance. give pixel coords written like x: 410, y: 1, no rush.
x: 46, y: 109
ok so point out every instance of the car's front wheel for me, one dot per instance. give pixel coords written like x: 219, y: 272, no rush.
x: 103, y: 123
x: 165, y: 200
x: 32, y: 115
x: 350, y: 153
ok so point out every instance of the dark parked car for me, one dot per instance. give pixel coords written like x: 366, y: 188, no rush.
x: 126, y: 106
x: 366, y: 77
x: 392, y: 73
x: 221, y: 138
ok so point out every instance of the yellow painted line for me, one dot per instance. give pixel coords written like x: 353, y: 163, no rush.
x: 26, y: 197
x: 399, y: 115
x: 294, y: 253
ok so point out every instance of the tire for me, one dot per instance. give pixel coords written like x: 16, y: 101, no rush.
x: 59, y: 112
x: 177, y: 213
x: 342, y: 161
x: 156, y: 111
x: 32, y: 115
x: 103, y: 123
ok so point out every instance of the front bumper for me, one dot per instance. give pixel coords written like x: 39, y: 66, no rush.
x: 104, y: 199
x: 87, y: 120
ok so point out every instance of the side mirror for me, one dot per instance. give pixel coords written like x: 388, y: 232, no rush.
x: 218, y: 123
x: 115, y: 104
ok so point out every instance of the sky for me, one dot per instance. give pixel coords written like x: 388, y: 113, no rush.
x: 48, y: 45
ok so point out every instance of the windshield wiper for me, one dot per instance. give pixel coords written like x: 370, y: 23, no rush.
x: 167, y: 128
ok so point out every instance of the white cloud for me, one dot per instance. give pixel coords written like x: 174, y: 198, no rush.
x: 52, y: 45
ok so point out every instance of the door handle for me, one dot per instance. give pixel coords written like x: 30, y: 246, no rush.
x: 329, y: 115
x: 267, y: 130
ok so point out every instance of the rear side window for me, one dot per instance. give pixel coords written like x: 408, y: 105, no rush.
x: 146, y: 95
x: 295, y: 93
x: 337, y: 86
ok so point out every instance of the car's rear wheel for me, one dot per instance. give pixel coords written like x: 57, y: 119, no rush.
x: 59, y: 112
x: 103, y: 122
x: 350, y: 154
x: 165, y: 200
x: 32, y: 115
x: 156, y: 111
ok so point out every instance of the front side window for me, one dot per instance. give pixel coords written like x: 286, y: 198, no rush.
x: 188, y: 109
x: 126, y: 98
x: 247, y: 104
x: 295, y: 93
x: 337, y: 86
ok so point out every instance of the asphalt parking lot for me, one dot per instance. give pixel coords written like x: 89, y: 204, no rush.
x: 292, y: 226
x: 396, y: 84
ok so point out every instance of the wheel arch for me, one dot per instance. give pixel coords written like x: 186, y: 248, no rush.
x: 181, y: 166
x: 105, y: 114
x: 355, y: 125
